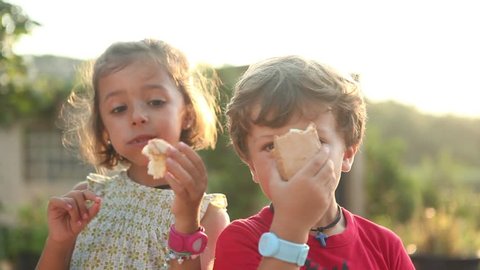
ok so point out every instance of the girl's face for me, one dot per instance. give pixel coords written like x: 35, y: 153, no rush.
x: 138, y: 103
x: 260, y: 145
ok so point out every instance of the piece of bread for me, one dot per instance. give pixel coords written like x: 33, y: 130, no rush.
x: 293, y: 149
x: 155, y: 151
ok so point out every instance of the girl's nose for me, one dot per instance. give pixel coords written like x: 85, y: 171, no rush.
x: 139, y: 115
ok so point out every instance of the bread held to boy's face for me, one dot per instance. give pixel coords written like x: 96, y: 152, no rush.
x: 260, y: 143
x: 294, y: 149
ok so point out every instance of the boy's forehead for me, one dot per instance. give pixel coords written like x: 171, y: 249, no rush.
x: 309, y: 110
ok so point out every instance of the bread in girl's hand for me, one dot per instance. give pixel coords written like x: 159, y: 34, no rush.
x: 155, y: 151
x: 293, y: 149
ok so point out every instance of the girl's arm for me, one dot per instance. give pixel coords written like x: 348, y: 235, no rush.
x: 56, y: 255
x: 215, y: 220
x: 187, y: 176
x: 67, y: 216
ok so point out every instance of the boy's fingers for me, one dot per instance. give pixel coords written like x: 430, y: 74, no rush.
x: 315, y: 165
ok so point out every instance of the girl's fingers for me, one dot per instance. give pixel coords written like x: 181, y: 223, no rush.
x: 93, y: 210
x: 80, y: 202
x: 193, y: 157
x: 174, y: 184
x: 179, y: 172
x: 183, y: 167
x: 75, y: 215
x: 78, y: 199
x: 59, y: 202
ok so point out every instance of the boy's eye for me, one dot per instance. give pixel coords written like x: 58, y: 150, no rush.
x: 268, y: 147
x: 119, y: 109
x: 156, y: 102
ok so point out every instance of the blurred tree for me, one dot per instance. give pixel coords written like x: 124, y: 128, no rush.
x: 15, y: 98
x: 392, y: 195
x: 227, y: 173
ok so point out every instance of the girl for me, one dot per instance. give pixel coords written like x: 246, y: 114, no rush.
x: 126, y: 219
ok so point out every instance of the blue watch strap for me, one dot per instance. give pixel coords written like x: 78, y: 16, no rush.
x: 271, y: 245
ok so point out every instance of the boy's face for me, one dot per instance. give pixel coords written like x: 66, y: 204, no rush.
x: 260, y: 144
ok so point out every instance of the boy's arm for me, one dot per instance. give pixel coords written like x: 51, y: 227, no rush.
x: 287, y: 233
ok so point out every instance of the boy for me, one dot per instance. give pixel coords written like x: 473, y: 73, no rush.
x: 303, y: 228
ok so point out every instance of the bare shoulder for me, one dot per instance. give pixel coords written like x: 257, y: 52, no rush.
x: 215, y: 219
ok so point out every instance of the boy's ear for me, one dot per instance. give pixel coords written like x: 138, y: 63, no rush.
x: 348, y: 157
x: 252, y: 171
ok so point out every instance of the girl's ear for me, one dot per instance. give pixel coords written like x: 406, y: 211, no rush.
x: 348, y: 157
x: 105, y: 136
x: 188, y: 118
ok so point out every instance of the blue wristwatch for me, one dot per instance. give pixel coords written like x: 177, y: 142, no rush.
x: 272, y: 246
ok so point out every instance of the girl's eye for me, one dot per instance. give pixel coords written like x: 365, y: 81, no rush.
x: 156, y: 102
x: 119, y: 109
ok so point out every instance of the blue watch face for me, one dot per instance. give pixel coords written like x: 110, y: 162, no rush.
x: 268, y: 245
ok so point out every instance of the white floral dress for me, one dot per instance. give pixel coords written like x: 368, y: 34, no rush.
x: 131, y: 229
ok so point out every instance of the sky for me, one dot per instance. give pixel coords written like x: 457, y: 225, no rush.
x: 421, y: 53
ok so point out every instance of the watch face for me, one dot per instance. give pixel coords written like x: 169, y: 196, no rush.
x: 268, y: 245
x: 197, y: 244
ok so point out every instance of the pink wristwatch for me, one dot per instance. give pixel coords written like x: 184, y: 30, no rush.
x: 193, y: 243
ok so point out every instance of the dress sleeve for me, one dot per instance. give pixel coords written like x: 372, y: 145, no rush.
x: 218, y: 200
x: 97, y: 183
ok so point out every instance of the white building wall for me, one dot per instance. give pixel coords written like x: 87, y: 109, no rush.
x: 12, y: 186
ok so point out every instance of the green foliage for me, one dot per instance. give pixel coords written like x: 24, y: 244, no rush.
x: 443, y: 231
x: 29, y: 233
x: 227, y: 173
x: 391, y: 193
x: 425, y: 135
x: 423, y: 178
x: 17, y: 100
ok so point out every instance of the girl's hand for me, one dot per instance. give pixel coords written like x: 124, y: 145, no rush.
x: 69, y: 214
x: 187, y: 176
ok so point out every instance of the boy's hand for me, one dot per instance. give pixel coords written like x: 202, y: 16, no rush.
x: 302, y: 201
x: 187, y: 176
x: 69, y: 214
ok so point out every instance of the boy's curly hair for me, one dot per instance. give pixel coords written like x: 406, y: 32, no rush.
x: 285, y: 86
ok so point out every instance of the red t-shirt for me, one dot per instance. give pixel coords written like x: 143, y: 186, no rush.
x: 363, y: 245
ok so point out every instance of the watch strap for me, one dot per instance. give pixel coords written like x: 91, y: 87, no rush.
x: 193, y: 243
x: 282, y: 249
